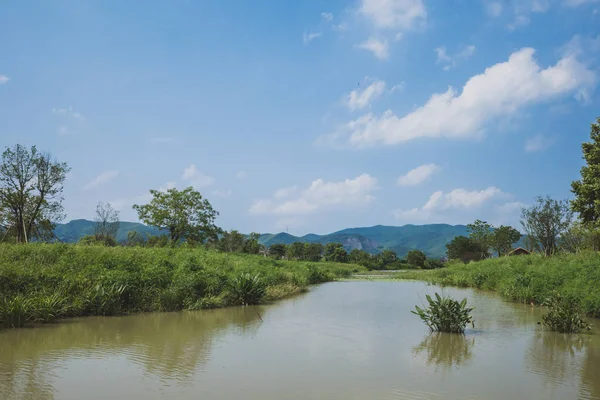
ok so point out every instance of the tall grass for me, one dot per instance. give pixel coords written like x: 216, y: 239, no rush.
x: 527, y: 279
x: 43, y: 282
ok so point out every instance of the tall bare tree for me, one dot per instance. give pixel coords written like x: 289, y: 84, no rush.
x: 545, y: 221
x: 31, y: 186
x: 106, y: 221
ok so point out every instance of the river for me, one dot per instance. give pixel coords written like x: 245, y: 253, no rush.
x: 342, y: 340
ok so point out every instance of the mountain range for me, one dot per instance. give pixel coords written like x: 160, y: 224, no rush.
x: 431, y: 239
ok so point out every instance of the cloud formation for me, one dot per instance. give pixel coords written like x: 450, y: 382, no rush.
x: 538, y: 142
x: 394, y: 14
x: 196, y: 178
x: 4, y: 79
x: 358, y: 99
x: 320, y: 195
x: 418, y: 175
x: 379, y: 47
x: 309, y: 37
x: 450, y: 61
x: 101, y: 179
x: 501, y: 90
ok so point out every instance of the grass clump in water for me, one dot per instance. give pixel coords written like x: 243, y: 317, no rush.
x: 15, y: 312
x: 564, y: 315
x: 444, y: 314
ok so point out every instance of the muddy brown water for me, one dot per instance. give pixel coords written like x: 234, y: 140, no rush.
x: 342, y: 340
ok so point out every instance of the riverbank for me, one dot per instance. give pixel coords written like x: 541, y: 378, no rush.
x: 526, y: 279
x: 43, y: 282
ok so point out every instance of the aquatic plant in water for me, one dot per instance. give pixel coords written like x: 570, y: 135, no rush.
x: 444, y: 314
x: 564, y: 315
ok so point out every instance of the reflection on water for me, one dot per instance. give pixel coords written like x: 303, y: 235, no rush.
x: 346, y: 340
x: 168, y: 346
x: 446, y: 349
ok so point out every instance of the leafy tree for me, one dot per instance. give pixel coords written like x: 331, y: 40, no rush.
x: 433, y: 263
x: 545, y: 221
x: 98, y: 240
x: 185, y: 214
x: 387, y: 258
x: 295, y: 251
x: 587, y: 190
x: 335, y: 252
x: 31, y: 187
x: 481, y: 233
x: 503, y: 238
x: 278, y: 250
x: 231, y: 242
x: 464, y: 248
x: 416, y: 258
x: 313, y: 252
x: 106, y: 222
x: 134, y: 239
x: 251, y: 245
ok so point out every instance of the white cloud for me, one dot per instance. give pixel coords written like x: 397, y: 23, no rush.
x: 501, y: 90
x: 450, y: 61
x: 224, y: 194
x: 538, y: 143
x: 68, y: 112
x: 327, y: 16
x: 241, y: 174
x: 358, y: 99
x: 577, y: 3
x: 494, y: 9
x: 520, y: 20
x: 101, y: 179
x: 379, y: 48
x: 125, y: 203
x: 309, y: 37
x: 196, y: 178
x: 4, y: 79
x: 398, y: 37
x: 418, y: 175
x: 318, y: 196
x: 398, y: 88
x: 285, y: 192
x: 394, y: 14
x: 458, y: 201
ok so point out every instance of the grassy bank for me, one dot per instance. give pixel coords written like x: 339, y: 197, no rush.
x: 527, y: 278
x: 42, y: 282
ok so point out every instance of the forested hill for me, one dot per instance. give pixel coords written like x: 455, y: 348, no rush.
x: 431, y: 239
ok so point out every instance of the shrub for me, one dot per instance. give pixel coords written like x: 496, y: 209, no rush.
x: 47, y: 308
x: 247, y: 289
x: 15, y: 312
x: 564, y: 315
x: 445, y: 314
x: 107, y: 300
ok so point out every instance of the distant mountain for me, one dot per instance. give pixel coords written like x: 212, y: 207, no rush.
x: 431, y: 239
x: 74, y: 230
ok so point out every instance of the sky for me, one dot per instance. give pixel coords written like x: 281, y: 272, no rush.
x: 306, y: 116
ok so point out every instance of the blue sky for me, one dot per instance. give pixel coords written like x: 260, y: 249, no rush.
x: 306, y: 116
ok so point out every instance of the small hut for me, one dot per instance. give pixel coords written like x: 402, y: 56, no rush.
x: 519, y: 251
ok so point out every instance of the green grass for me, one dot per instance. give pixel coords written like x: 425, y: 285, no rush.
x: 43, y: 282
x: 527, y: 279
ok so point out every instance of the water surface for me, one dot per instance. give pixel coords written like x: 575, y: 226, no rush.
x: 343, y: 340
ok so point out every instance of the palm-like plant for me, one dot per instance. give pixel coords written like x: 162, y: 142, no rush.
x: 247, y: 289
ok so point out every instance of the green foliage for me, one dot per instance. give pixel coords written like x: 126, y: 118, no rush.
x: 92, y: 240
x: 247, y: 289
x: 42, y: 282
x: 587, y: 190
x: 295, y: 251
x: 434, y: 263
x: 481, y: 233
x: 564, y: 315
x: 464, y: 249
x: 335, y: 252
x: 545, y: 221
x: 444, y: 314
x: 31, y: 186
x: 503, y: 238
x: 527, y: 279
x: 278, y: 251
x: 313, y: 252
x: 416, y: 258
x: 185, y: 214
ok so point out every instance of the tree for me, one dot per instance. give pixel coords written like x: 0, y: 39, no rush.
x: 545, y: 221
x: 481, y: 233
x: 251, y: 245
x: 387, y: 258
x: 587, y: 190
x: 184, y: 214
x: 278, y: 250
x: 503, y: 238
x: 295, y: 251
x: 416, y: 258
x: 231, y: 242
x: 106, y: 222
x: 31, y: 186
x: 463, y: 248
x: 335, y: 252
x: 313, y: 252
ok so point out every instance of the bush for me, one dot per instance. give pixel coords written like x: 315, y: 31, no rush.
x: 445, y: 314
x: 247, y: 289
x: 564, y: 315
x: 15, y: 312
